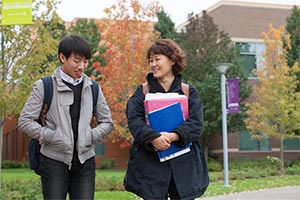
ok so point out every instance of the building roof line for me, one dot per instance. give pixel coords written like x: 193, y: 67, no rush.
x: 249, y: 4
x: 240, y: 4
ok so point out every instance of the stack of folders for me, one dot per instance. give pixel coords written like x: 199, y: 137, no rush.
x: 164, y: 112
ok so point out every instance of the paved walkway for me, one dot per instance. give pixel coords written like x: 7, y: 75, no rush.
x: 283, y: 193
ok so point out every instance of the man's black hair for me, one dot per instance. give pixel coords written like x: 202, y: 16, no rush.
x: 74, y: 44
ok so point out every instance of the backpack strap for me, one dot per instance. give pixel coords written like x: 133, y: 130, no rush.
x: 95, y: 92
x: 184, y: 87
x: 145, y: 88
x: 48, y: 94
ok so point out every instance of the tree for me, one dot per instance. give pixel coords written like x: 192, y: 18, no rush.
x: 24, y: 50
x: 206, y: 46
x: 56, y: 28
x: 88, y: 29
x: 275, y: 111
x: 293, y: 29
x: 128, y: 35
x: 165, y: 26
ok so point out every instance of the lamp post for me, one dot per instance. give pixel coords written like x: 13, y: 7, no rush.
x: 222, y: 68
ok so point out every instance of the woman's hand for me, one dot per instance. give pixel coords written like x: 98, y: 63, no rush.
x: 164, y: 140
x: 172, y: 136
x: 161, y: 143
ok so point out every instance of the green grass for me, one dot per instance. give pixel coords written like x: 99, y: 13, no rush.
x: 25, y: 173
x: 110, y: 173
x: 218, y: 188
x: 117, y: 195
x: 18, y: 174
x: 110, y: 183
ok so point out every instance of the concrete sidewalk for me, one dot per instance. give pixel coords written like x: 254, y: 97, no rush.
x: 282, y: 193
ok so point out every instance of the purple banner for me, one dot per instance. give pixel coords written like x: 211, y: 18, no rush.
x: 233, y: 98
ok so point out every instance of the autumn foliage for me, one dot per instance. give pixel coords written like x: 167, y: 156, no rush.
x: 128, y: 34
x: 275, y: 111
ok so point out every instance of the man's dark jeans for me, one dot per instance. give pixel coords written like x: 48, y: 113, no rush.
x: 58, y: 180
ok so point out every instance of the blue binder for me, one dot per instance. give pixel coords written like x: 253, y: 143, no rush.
x: 167, y: 119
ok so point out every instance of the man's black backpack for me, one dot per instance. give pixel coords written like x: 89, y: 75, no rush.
x: 34, y: 146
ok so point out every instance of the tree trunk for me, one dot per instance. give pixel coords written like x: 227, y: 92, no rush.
x: 1, y: 145
x: 281, y: 156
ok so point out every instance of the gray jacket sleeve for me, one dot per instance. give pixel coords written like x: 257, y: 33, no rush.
x: 27, y: 121
x: 104, y: 119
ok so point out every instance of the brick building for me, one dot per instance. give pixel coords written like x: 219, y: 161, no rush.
x: 244, y: 22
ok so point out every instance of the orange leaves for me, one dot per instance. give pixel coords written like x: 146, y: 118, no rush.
x: 135, y: 6
x: 97, y: 66
x: 127, y: 39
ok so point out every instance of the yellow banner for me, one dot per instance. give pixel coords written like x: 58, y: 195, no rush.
x: 16, y: 12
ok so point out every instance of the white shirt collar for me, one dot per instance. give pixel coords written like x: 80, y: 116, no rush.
x: 69, y: 79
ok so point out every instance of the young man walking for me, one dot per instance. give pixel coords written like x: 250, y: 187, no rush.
x: 67, y: 163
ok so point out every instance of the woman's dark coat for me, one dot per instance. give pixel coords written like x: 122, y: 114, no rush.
x: 146, y: 176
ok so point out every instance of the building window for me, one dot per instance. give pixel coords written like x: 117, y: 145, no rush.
x: 291, y: 144
x: 251, y: 56
x: 247, y: 143
x: 100, y: 149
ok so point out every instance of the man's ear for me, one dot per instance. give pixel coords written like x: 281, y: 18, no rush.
x: 62, y: 58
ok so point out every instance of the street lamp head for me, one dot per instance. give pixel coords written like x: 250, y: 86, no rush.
x: 223, y: 67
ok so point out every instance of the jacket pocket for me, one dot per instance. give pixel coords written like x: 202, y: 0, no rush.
x: 47, y: 135
x: 57, y: 140
x: 87, y: 140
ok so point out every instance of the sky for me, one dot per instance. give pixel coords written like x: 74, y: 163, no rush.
x: 178, y: 10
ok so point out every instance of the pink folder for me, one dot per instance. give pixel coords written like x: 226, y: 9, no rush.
x: 155, y: 104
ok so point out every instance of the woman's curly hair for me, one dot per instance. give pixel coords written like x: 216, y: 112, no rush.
x: 170, y: 49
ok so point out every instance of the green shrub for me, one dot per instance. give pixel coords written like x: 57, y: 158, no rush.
x: 7, y: 164
x: 215, y: 176
x: 107, y: 164
x: 258, y: 164
x: 21, y: 189
x: 241, y: 164
x: 295, y: 170
x: 252, y: 169
x: 291, y: 163
x: 270, y: 161
x: 214, y: 166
